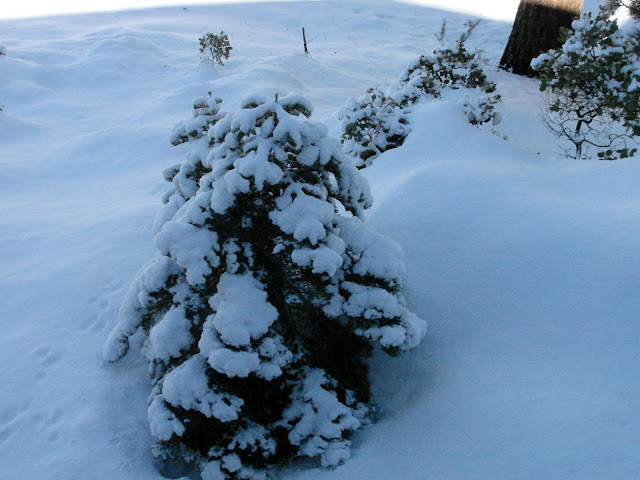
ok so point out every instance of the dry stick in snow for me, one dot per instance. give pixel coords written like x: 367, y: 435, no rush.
x: 304, y: 39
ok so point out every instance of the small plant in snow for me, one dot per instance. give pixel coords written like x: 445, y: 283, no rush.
x: 3, y: 50
x: 269, y: 291
x: 593, y: 87
x: 451, y: 67
x: 372, y: 124
x: 215, y: 47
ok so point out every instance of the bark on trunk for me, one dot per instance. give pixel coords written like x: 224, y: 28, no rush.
x: 536, y: 29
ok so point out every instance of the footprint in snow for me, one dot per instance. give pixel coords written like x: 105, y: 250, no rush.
x: 46, y: 357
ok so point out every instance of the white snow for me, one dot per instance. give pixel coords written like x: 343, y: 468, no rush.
x: 323, y: 259
x: 304, y: 216
x: 162, y: 421
x: 320, y: 419
x: 242, y: 311
x: 170, y: 335
x: 187, y: 386
x: 377, y: 255
x: 526, y: 265
x: 190, y: 247
x: 242, y: 316
x: 233, y: 363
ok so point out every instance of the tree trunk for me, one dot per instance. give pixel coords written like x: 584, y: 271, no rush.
x: 536, y: 29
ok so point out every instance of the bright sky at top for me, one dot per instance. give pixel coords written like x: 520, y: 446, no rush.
x: 499, y: 9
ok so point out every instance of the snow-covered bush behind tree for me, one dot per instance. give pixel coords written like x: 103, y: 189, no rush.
x: 593, y: 86
x: 451, y: 67
x: 377, y: 122
x: 269, y: 291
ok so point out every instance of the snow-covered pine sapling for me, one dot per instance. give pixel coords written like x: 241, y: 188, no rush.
x: 454, y: 67
x: 593, y: 87
x: 261, y: 310
x: 372, y: 124
x: 215, y: 47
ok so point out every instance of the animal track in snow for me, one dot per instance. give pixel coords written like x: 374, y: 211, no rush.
x: 103, y: 306
x: 9, y: 417
x: 46, y: 357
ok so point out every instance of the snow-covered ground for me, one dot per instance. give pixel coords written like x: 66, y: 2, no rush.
x: 502, y: 9
x: 525, y: 265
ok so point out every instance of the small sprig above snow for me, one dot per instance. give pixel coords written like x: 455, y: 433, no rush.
x: 267, y: 296
x: 215, y: 47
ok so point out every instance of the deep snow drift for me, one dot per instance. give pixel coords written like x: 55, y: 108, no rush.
x: 524, y: 264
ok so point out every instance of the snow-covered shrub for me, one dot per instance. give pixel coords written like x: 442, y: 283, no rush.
x: 479, y: 109
x: 451, y: 67
x: 215, y: 47
x: 261, y: 310
x: 377, y: 122
x: 372, y: 124
x: 593, y: 86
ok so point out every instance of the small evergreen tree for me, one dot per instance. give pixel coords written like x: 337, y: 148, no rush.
x: 451, y: 67
x: 372, y: 124
x: 269, y: 291
x: 593, y: 86
x: 215, y: 47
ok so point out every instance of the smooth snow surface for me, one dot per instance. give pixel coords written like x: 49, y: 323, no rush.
x: 501, y: 9
x: 526, y: 266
